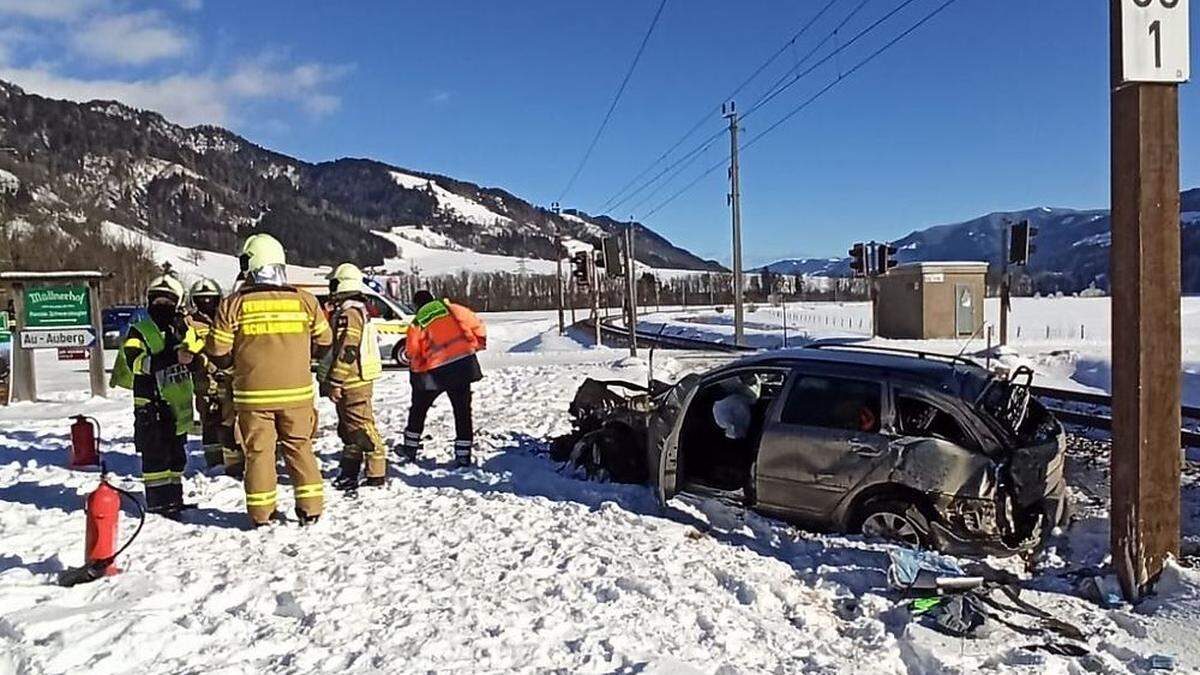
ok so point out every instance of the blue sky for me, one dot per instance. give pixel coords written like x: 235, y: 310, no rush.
x: 991, y: 105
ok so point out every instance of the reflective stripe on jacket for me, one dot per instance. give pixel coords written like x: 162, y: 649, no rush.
x: 270, y: 331
x: 441, y: 333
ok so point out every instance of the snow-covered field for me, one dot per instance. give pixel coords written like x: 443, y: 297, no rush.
x: 516, y: 565
x: 1066, y: 340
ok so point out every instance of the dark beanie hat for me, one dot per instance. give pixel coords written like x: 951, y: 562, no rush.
x: 422, y: 298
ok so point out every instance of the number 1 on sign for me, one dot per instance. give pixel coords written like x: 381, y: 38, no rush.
x: 1156, y: 33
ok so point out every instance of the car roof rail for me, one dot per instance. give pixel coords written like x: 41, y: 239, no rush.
x: 950, y: 359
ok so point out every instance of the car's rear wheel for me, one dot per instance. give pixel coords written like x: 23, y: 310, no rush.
x: 399, y: 355
x: 895, y: 521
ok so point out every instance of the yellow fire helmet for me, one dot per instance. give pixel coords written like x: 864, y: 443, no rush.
x: 261, y: 250
x: 166, y: 285
x: 205, y: 287
x: 344, y: 279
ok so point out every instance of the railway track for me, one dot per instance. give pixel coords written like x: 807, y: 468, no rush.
x: 1073, y: 408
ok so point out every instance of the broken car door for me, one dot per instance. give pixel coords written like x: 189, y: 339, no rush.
x: 824, y: 439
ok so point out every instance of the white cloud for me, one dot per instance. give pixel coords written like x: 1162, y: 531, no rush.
x: 197, y: 98
x: 133, y: 39
x: 440, y: 96
x: 55, y: 10
x: 191, y: 5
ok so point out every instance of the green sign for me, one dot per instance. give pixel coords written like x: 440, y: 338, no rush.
x: 5, y: 331
x: 57, y: 306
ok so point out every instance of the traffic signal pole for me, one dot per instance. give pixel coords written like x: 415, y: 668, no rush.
x: 631, y: 290
x: 1005, y: 254
x: 1145, y: 274
x: 558, y: 279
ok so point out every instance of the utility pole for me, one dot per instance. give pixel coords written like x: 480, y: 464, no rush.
x: 558, y: 256
x: 1149, y: 57
x: 735, y: 202
x: 631, y: 289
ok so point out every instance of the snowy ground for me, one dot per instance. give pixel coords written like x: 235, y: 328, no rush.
x: 513, y: 566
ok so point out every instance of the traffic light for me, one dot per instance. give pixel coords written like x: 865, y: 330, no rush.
x: 885, y: 258
x: 1021, y: 243
x: 580, y: 268
x: 612, y: 257
x: 858, y: 260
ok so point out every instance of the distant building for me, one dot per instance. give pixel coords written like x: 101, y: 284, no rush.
x: 926, y: 300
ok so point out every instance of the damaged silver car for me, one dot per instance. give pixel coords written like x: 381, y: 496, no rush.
x: 924, y: 449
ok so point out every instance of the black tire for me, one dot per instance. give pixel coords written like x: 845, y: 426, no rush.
x: 894, y: 520
x: 398, y: 354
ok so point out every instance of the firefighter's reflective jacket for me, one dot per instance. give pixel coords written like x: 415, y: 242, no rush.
x: 355, y: 360
x: 147, y: 363
x: 442, y: 333
x: 267, y: 332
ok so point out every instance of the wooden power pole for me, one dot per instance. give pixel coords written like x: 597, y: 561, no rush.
x: 1149, y: 57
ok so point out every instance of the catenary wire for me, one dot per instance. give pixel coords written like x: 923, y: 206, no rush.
x: 608, y: 204
x: 807, y: 102
x: 616, y: 98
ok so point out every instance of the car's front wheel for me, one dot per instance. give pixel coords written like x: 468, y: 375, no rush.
x: 895, y: 521
x: 399, y: 355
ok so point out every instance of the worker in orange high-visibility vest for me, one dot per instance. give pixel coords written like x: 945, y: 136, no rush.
x: 441, y: 345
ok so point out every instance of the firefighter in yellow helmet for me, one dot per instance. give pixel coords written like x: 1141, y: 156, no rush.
x: 214, y: 396
x: 153, y: 362
x: 347, y: 374
x: 269, y: 333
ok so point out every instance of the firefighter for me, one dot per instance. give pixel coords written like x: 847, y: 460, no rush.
x: 441, y: 345
x: 153, y: 362
x: 269, y: 332
x: 214, y: 398
x: 347, y: 374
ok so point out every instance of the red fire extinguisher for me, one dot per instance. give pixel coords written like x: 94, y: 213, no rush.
x: 103, y: 509
x: 85, y: 442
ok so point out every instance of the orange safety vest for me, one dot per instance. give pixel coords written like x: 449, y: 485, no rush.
x: 441, y: 333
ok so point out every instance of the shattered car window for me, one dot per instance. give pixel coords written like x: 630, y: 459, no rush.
x: 917, y: 417
x: 834, y: 403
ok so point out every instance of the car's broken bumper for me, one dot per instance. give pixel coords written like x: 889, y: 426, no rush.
x: 979, y: 526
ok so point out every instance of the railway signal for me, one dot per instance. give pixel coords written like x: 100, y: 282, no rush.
x: 581, y: 264
x: 1021, y: 245
x: 885, y: 258
x: 611, y: 249
x: 860, y: 260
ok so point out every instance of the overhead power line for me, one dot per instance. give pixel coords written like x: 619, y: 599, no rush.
x: 779, y: 86
x: 609, y: 204
x: 804, y: 104
x: 616, y: 98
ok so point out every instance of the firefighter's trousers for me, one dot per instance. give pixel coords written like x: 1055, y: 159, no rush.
x: 356, y: 428
x: 162, y: 453
x: 293, y: 429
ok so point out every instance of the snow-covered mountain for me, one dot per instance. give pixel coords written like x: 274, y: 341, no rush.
x: 205, y: 188
x: 1072, y: 246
